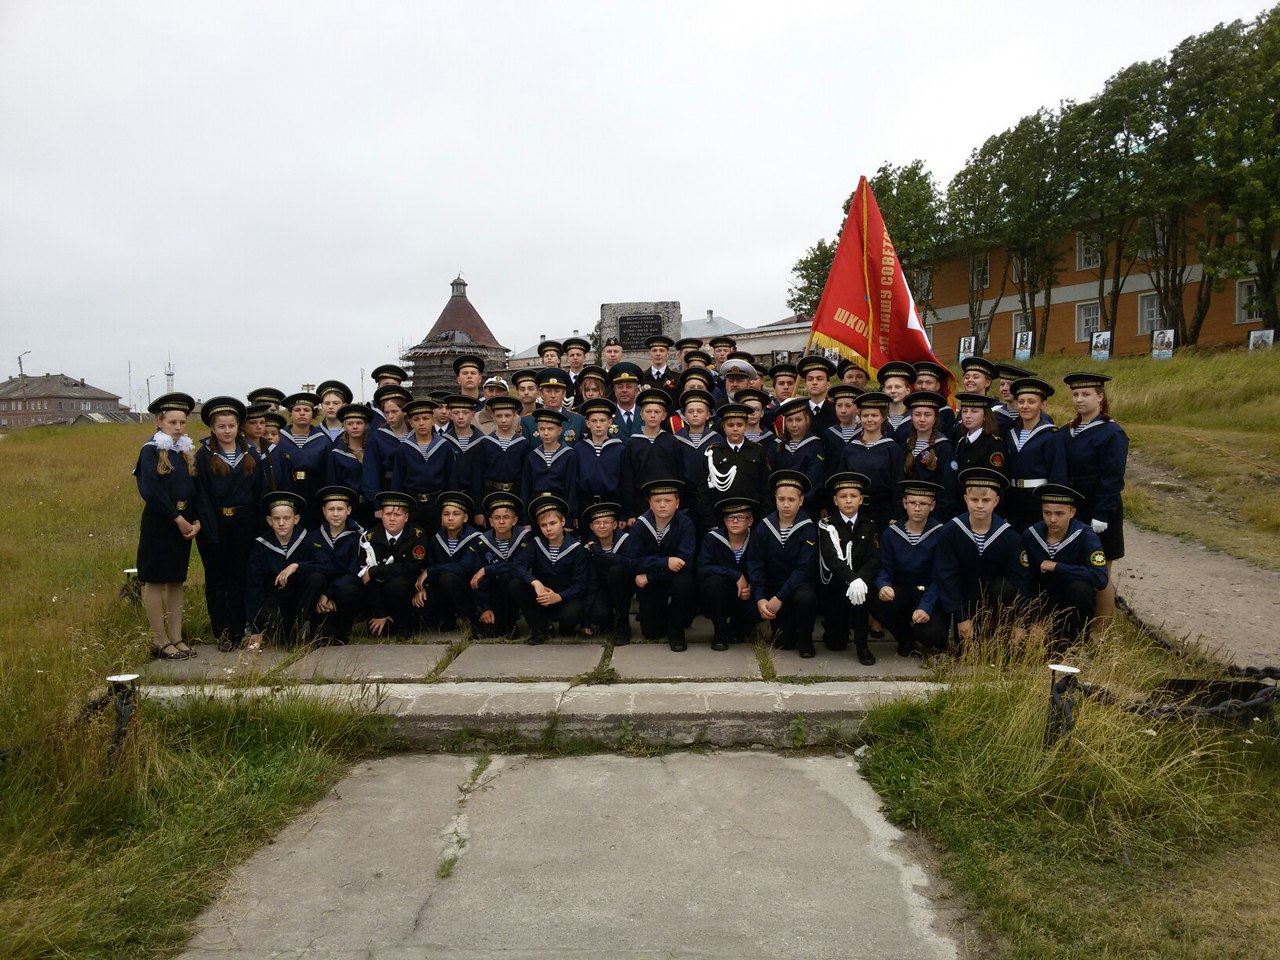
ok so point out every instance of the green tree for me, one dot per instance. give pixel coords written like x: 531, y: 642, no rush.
x: 809, y: 276
x: 976, y: 217
x: 913, y: 210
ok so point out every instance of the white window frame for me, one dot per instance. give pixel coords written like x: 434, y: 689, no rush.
x: 1243, y: 296
x: 1088, y: 256
x: 1019, y: 327
x: 982, y: 335
x: 928, y: 333
x: 985, y: 274
x: 1156, y: 321
x: 1080, y: 316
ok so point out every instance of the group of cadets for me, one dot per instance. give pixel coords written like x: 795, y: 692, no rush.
x: 575, y: 490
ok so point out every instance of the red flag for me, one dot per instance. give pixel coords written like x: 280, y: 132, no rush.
x: 866, y: 311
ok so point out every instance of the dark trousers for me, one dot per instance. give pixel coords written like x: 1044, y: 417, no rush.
x: 1068, y: 605
x: 610, y: 604
x: 895, y: 616
x: 393, y: 598
x: 449, y: 599
x: 731, y: 617
x: 224, y: 565
x: 838, y: 615
x: 667, y: 606
x: 286, y: 610
x: 335, y: 627
x: 505, y: 610
x: 998, y: 599
x: 567, y: 613
x: 793, y: 627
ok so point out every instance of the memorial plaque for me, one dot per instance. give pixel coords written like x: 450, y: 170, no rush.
x: 634, y: 330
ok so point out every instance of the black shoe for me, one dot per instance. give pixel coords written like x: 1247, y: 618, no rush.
x: 904, y: 649
x: 677, y: 645
x: 836, y: 645
x: 865, y: 656
x: 536, y: 639
x: 877, y: 633
x: 622, y: 634
x: 719, y: 643
x: 807, y: 652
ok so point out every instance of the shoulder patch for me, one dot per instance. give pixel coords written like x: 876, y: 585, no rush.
x: 1022, y: 559
x: 1098, y: 558
x: 996, y: 459
x: 419, y: 552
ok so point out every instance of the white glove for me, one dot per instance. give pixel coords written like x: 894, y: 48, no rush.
x: 1099, y: 526
x: 857, y: 592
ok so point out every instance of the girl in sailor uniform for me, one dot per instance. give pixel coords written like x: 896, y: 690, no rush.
x: 444, y: 587
x: 1096, y: 453
x: 336, y: 555
x: 551, y: 468
x: 847, y: 426
x: 498, y: 457
x: 346, y: 460
x: 386, y: 375
x: 649, y: 455
x: 334, y: 395
x: 275, y: 422
x: 758, y: 430
x: 782, y: 565
x: 1066, y: 564
x: 282, y: 584
x: 302, y: 453
x: 928, y: 453
x: 383, y: 442
x: 979, y: 559
x: 550, y: 579
x: 502, y: 542
x: 424, y: 464
x: 876, y: 457
x: 896, y: 379
x: 660, y: 554
x: 977, y: 375
x: 609, y: 598
x: 173, y: 515
x: 980, y: 442
x: 904, y: 597
x: 232, y: 481
x: 255, y: 429
x: 1035, y: 453
x: 848, y: 561
x: 722, y: 574
x: 801, y: 450
x: 599, y: 454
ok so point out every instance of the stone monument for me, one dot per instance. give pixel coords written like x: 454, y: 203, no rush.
x: 633, y: 323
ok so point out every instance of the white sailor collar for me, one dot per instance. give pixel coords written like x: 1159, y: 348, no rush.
x: 272, y: 544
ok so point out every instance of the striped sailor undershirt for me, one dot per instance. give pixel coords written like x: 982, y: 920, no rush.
x: 897, y: 419
x: 980, y: 540
x: 505, y: 442
x: 502, y: 546
x: 793, y: 445
x: 659, y: 534
x: 849, y: 432
x: 755, y: 435
x: 738, y: 552
x: 598, y: 447
x: 913, y: 538
x: 451, y: 543
x: 548, y: 455
x: 695, y: 437
x: 783, y: 533
x: 920, y: 447
x: 465, y: 442
x: 1023, y: 434
x: 232, y: 459
x: 554, y: 552
x: 1052, y: 548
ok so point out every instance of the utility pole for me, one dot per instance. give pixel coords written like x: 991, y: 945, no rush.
x: 149, y: 379
x: 168, y: 376
x: 22, y: 379
x: 130, y: 393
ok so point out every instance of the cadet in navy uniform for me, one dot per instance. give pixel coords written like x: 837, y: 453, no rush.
x: 346, y: 460
x: 444, y: 586
x: 660, y: 554
x: 502, y: 541
x: 1034, y: 451
x: 979, y: 443
x: 733, y: 469
x: 599, y: 454
x: 977, y: 375
x: 302, y: 453
x: 334, y: 395
x: 801, y: 449
x: 896, y: 379
x: 498, y: 457
x: 660, y: 376
x: 424, y: 464
x: 904, y: 597
x: 550, y: 578
x: 848, y: 561
x: 551, y: 467
x: 649, y: 455
x: 1097, y: 451
x: 875, y: 456
x: 386, y: 375
x: 272, y: 424
x: 611, y: 590
x: 336, y: 555
x: 844, y: 399
x: 392, y: 556
x: 979, y: 557
x: 782, y: 565
x: 282, y: 585
x: 933, y: 378
x: 694, y: 438
x: 1067, y: 565
x: 927, y: 452
x: 231, y: 481
x: 172, y: 516
x: 721, y: 574
x: 383, y: 441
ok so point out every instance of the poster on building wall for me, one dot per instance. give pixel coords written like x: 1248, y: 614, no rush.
x: 1161, y: 344
x: 1262, y: 339
x: 1101, y: 345
x: 966, y: 347
x: 1022, y: 345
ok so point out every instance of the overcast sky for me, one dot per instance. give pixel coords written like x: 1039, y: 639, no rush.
x: 281, y: 192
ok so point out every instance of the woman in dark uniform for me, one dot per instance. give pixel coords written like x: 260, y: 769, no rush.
x: 1097, y: 450
x: 230, y: 481
x: 978, y: 442
x: 1034, y: 448
x: 875, y: 456
x: 928, y: 453
x: 171, y: 519
x: 801, y: 449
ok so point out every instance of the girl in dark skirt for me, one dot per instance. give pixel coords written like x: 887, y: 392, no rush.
x: 171, y: 519
x: 1097, y: 451
x: 230, y: 480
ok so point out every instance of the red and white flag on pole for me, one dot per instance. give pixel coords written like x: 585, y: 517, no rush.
x: 866, y: 311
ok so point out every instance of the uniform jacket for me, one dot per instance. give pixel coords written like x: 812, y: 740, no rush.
x: 599, y: 471
x: 568, y: 575
x: 174, y: 494
x: 560, y: 476
x: 338, y: 558
x: 493, y: 469
x: 715, y: 556
x: 779, y: 569
x: 647, y: 554
x: 379, y: 461
x: 644, y: 460
x: 301, y: 461
x: 1079, y: 556
x: 881, y: 461
x: 847, y: 554
x: 498, y: 563
x: 962, y: 571
x: 405, y: 559
x: 464, y: 559
x: 266, y: 559
x: 808, y: 456
x: 425, y: 469
x: 910, y: 566
x: 238, y: 489
x: 1096, y: 454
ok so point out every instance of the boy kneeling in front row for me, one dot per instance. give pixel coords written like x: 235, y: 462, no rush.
x: 848, y: 561
x: 1067, y: 565
x: 781, y: 565
x: 393, y: 556
x: 660, y: 554
x: 335, y: 551
x: 498, y: 548
x: 611, y: 583
x: 549, y: 579
x: 281, y: 586
x: 722, y: 574
x: 443, y: 589
x: 905, y: 594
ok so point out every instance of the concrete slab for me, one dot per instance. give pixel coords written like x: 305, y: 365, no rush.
x: 518, y: 661
x: 653, y: 661
x: 745, y: 855
x: 844, y: 664
x: 390, y: 662
x: 212, y: 666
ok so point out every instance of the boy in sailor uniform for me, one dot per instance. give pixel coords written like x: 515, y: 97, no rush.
x: 979, y: 560
x: 848, y: 561
x: 424, y: 464
x: 384, y: 440
x: 443, y: 589
x: 280, y: 595
x: 660, y: 553
x: 552, y: 467
x: 801, y: 449
x: 335, y: 554
x: 782, y: 565
x: 722, y: 574
x: 498, y: 457
x: 649, y: 455
x: 695, y: 434
x: 611, y: 585
x: 550, y: 578
x: 599, y: 454
x: 905, y: 593
x: 346, y: 463
x: 498, y: 547
x: 302, y: 452
x: 733, y: 469
x: 1067, y: 565
x: 392, y: 557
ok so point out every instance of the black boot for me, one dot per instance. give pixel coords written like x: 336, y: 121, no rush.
x: 622, y: 631
x: 865, y: 656
x: 720, y: 641
x: 675, y: 640
x: 831, y: 643
x: 537, y: 638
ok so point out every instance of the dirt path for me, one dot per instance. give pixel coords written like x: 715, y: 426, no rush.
x: 1229, y: 607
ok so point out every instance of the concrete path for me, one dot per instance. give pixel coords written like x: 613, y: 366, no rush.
x: 746, y: 855
x: 1224, y: 605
